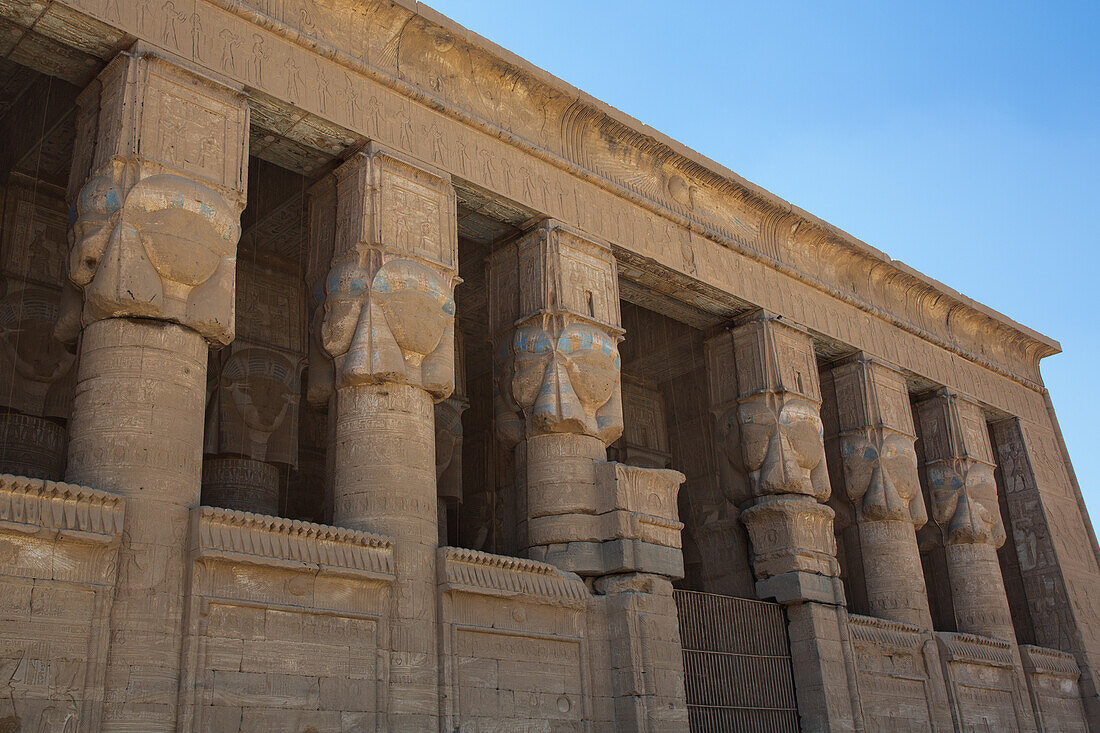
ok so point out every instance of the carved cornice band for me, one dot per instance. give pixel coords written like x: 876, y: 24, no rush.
x: 471, y: 571
x: 958, y: 315
x: 34, y: 506
x: 225, y: 534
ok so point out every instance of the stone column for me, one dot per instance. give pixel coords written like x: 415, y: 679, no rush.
x: 870, y: 420
x: 389, y: 327
x: 958, y: 473
x: 554, y: 316
x: 160, y: 167
x: 789, y: 525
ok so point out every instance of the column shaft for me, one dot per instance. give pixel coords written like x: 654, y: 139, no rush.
x: 385, y: 483
x: 137, y: 431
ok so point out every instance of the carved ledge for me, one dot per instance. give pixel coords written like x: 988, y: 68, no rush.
x: 55, y: 509
x: 974, y: 649
x: 258, y: 539
x: 885, y: 633
x: 471, y: 571
x: 1040, y: 660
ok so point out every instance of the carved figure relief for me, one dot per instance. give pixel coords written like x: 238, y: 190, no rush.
x: 35, y: 367
x: 253, y: 410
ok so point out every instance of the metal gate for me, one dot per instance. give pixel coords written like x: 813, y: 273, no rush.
x: 737, y: 664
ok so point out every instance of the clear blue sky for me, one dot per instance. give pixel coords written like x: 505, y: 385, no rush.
x: 960, y: 138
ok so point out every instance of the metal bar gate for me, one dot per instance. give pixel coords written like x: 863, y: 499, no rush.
x: 737, y: 664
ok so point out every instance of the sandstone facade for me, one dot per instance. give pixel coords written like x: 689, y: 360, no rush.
x: 357, y: 375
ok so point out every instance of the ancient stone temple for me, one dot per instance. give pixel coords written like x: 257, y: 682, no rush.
x: 357, y: 375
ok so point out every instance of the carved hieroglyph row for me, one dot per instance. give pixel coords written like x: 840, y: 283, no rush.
x: 471, y: 571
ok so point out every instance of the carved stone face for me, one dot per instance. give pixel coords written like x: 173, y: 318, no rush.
x: 781, y: 441
x: 417, y: 307
x: 27, y: 318
x: 880, y: 475
x: 964, y: 502
x: 395, y: 326
x: 563, y: 381
x: 164, y: 238
x: 185, y: 229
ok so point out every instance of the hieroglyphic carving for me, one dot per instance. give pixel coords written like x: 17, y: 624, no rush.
x: 158, y: 218
x: 58, y: 554
x: 1032, y: 482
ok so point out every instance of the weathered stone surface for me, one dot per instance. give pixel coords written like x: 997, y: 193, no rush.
x: 376, y: 136
x: 59, y: 547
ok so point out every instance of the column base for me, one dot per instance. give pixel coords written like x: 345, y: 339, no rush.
x: 241, y: 484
